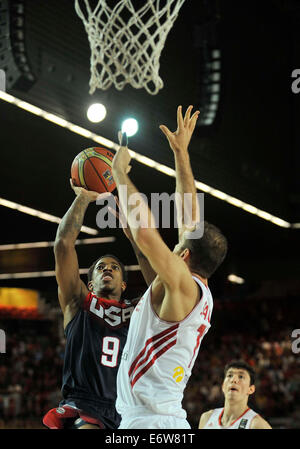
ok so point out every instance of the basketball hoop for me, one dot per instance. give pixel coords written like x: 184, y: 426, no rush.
x: 126, y: 43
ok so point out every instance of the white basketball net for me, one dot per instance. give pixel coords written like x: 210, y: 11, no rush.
x: 126, y: 43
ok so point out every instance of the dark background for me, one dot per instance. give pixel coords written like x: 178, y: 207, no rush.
x: 251, y: 151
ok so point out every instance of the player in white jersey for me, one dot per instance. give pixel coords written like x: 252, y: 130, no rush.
x: 237, y: 386
x: 175, y: 312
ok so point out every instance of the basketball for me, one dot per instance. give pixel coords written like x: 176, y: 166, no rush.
x: 91, y: 169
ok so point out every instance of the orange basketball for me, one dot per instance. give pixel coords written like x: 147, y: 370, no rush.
x: 91, y: 169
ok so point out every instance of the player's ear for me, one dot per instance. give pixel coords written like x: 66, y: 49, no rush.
x: 123, y: 286
x: 90, y: 286
x: 222, y: 388
x: 251, y: 389
x: 185, y: 254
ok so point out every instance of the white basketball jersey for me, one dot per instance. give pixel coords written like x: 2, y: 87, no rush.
x: 159, y: 356
x: 243, y: 422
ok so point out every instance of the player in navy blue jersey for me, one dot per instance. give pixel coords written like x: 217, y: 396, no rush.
x: 95, y: 323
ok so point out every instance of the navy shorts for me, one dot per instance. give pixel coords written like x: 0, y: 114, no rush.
x: 98, y: 410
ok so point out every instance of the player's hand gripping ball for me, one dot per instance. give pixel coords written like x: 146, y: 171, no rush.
x: 91, y: 169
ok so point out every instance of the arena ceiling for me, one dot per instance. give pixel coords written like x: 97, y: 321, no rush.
x: 251, y: 151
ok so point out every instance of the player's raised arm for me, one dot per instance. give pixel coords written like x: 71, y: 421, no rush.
x: 179, y: 142
x: 146, y: 269
x: 70, y: 287
x: 170, y: 267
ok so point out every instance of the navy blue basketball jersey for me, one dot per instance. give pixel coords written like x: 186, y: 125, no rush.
x: 95, y: 339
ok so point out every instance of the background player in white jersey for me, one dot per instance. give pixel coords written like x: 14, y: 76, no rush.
x: 238, y: 385
x: 174, y: 313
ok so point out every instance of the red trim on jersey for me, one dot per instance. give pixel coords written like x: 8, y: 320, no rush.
x: 153, y: 347
x: 100, y: 309
x: 206, y: 286
x: 151, y: 340
x: 222, y: 412
x: 201, y: 331
x: 152, y: 361
x: 103, y: 301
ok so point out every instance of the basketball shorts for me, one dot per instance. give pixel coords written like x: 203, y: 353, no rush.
x: 66, y: 417
x: 71, y: 410
x: 148, y: 420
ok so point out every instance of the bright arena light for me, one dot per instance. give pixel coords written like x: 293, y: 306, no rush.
x: 235, y: 279
x: 142, y: 159
x: 51, y: 273
x: 96, y: 112
x: 130, y: 126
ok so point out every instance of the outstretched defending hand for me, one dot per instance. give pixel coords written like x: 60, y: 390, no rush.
x: 121, y: 161
x: 89, y: 194
x: 180, y: 139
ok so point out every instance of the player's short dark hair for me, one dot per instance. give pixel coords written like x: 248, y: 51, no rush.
x: 241, y: 364
x: 208, y: 252
x: 91, y: 269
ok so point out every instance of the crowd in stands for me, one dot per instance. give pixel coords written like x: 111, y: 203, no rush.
x: 258, y: 332
x: 30, y: 376
x: 277, y: 371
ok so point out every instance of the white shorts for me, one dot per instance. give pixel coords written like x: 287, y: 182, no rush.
x: 153, y: 422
